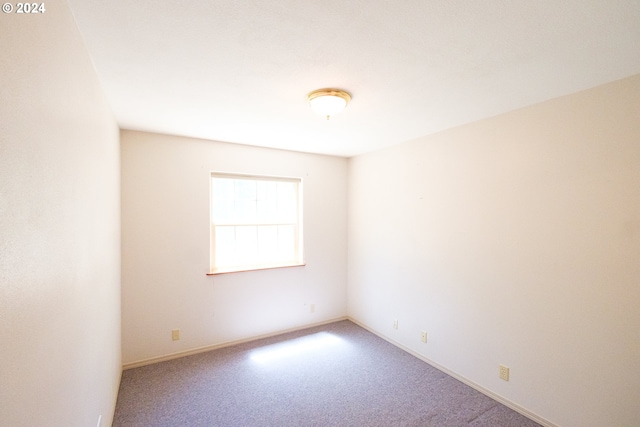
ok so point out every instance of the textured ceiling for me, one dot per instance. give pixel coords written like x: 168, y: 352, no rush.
x: 239, y: 71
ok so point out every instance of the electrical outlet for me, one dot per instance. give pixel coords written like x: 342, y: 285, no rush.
x: 175, y: 334
x: 423, y: 336
x: 504, y: 373
x: 395, y: 324
x: 312, y: 308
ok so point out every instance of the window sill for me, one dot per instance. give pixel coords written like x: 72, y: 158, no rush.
x: 243, y: 269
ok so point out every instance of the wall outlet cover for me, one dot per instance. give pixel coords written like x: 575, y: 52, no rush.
x: 504, y: 373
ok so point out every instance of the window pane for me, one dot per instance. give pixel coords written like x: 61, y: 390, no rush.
x: 244, y: 211
x: 222, y: 189
x: 254, y: 222
x: 245, y: 189
x: 268, y: 243
x: 266, y: 189
x: 287, y: 190
x: 287, y: 202
x: 287, y: 212
x: 267, y: 211
x: 286, y: 242
x: 225, y: 249
x: 222, y: 211
x: 247, y: 244
x: 267, y: 204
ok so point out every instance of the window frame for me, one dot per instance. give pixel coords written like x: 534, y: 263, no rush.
x: 298, y: 226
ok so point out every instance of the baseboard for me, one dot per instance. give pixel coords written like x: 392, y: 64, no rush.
x: 204, y: 349
x: 504, y: 401
x: 460, y: 378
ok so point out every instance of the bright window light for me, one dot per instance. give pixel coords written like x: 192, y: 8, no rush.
x: 256, y: 222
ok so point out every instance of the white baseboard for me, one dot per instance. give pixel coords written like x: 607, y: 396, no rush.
x: 460, y: 378
x: 504, y: 401
x: 204, y: 349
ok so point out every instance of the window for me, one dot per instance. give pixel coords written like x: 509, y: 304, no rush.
x: 256, y: 222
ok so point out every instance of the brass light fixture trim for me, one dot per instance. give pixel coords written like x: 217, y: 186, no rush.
x: 329, y: 101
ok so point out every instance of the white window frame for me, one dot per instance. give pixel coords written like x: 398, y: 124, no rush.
x: 298, y: 259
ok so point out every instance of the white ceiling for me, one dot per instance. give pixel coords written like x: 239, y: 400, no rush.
x: 239, y: 71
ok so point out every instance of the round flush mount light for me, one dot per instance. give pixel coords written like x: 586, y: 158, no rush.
x: 328, y: 102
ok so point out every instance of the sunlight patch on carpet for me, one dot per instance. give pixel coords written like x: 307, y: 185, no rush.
x: 304, y: 346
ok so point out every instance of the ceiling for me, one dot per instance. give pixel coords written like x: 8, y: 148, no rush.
x: 239, y: 71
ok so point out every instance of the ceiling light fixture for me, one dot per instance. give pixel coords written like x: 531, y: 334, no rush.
x: 328, y: 102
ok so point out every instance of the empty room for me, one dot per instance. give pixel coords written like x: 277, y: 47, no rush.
x: 320, y: 213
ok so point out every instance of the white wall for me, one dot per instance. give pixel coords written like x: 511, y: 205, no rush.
x: 515, y: 241
x: 59, y: 228
x: 165, y: 247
